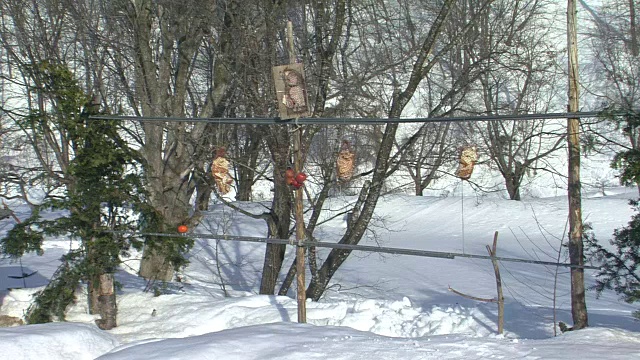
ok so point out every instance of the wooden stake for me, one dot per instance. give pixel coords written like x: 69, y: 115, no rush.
x: 496, y: 269
x: 299, y: 213
x: 500, y: 300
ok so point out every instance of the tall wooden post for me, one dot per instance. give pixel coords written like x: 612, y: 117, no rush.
x: 299, y: 212
x: 576, y: 257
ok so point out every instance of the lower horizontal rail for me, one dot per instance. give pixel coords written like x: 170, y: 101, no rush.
x: 352, y: 247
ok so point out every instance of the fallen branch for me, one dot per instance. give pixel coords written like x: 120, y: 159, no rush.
x: 471, y: 297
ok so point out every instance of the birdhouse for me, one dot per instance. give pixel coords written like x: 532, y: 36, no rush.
x: 291, y: 91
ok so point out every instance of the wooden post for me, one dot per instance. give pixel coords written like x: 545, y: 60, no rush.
x: 496, y: 269
x: 576, y: 256
x: 299, y: 213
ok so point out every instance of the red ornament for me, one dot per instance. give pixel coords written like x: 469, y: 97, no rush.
x: 295, y: 183
x: 183, y: 229
x: 301, y: 177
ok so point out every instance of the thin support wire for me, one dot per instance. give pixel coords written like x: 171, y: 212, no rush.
x: 462, y: 211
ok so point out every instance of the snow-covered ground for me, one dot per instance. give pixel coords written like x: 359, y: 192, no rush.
x: 379, y: 306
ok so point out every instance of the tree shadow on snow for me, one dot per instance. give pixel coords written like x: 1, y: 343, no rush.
x: 17, y: 277
x: 229, y: 263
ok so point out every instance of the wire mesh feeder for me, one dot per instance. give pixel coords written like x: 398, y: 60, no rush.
x: 346, y: 162
x: 220, y: 171
x: 468, y: 158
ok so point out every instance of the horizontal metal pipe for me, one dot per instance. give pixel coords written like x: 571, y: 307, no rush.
x: 352, y: 247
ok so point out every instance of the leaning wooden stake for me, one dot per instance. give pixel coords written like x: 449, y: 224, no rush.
x: 500, y: 299
x: 496, y: 269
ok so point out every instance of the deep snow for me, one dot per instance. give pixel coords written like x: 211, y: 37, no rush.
x: 378, y: 306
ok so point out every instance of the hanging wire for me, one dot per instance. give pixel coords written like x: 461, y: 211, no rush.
x: 462, y: 211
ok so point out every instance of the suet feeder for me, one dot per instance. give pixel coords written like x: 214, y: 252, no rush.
x: 346, y: 162
x: 468, y: 158
x: 220, y: 171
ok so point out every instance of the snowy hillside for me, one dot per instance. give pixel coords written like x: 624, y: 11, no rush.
x: 378, y: 306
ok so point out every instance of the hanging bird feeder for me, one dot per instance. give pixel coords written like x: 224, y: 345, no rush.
x: 291, y: 91
x: 220, y: 171
x: 346, y: 162
x: 468, y: 158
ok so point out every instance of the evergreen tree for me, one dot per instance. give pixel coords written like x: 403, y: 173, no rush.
x: 621, y: 264
x: 103, y: 190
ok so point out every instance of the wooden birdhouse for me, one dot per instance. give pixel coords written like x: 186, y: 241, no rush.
x: 291, y: 91
x: 468, y: 158
x: 220, y: 171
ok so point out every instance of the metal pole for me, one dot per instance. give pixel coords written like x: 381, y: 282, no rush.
x: 367, y: 248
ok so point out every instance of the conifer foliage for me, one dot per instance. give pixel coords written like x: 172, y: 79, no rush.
x: 102, y: 192
x: 621, y: 263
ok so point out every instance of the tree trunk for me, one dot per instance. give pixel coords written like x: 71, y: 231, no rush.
x: 247, y: 161
x: 279, y: 218
x: 155, y: 266
x: 417, y: 181
x: 174, y: 210
x: 203, y: 195
x: 360, y: 219
x: 102, y: 300
x: 273, y: 259
x: 245, y: 184
x: 165, y: 38
x: 513, y: 187
x: 576, y: 255
x: 633, y: 29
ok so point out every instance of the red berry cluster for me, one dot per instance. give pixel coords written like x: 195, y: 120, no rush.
x: 295, y: 180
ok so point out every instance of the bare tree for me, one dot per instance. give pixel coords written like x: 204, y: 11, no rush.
x: 371, y: 194
x: 612, y: 77
x: 519, y: 64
